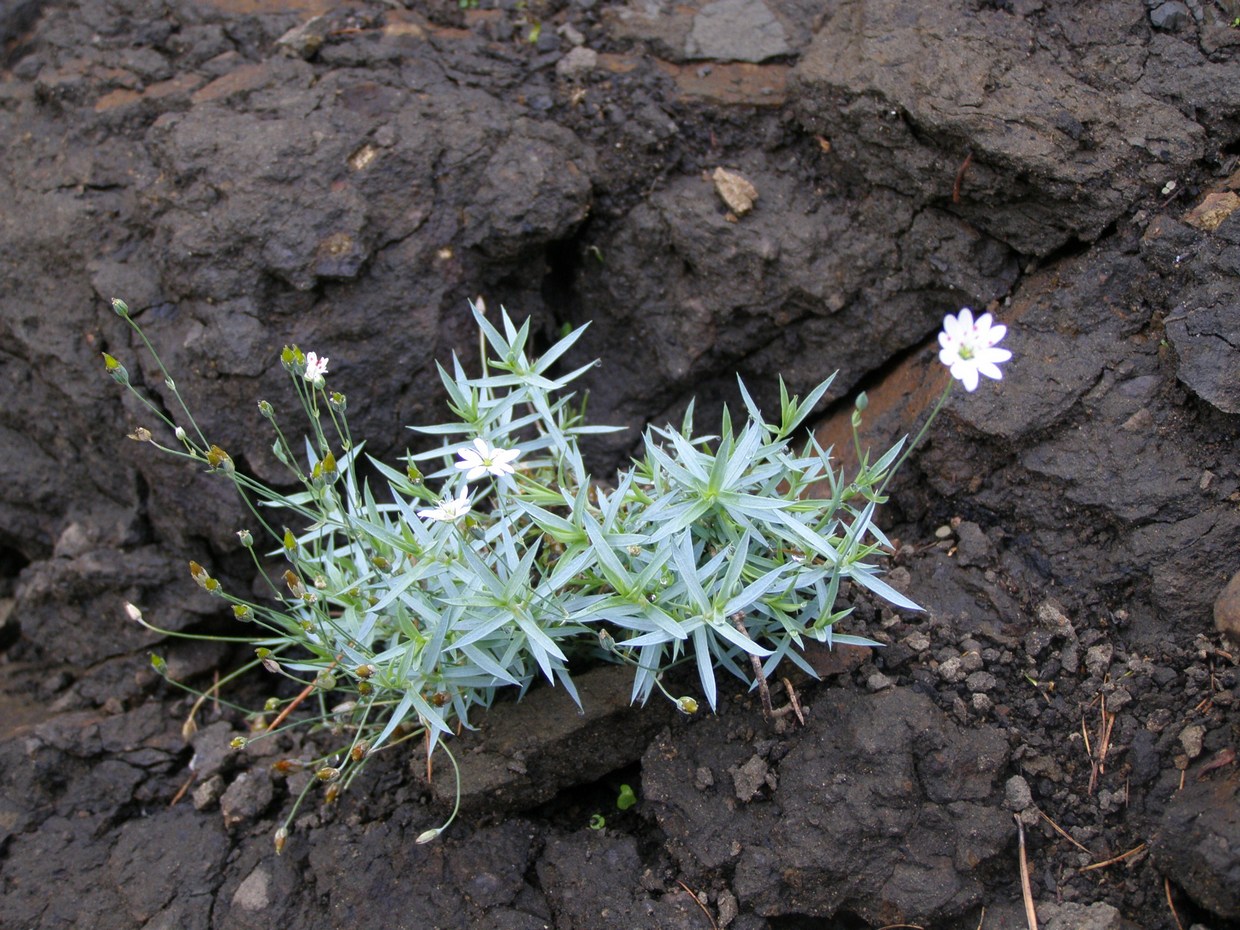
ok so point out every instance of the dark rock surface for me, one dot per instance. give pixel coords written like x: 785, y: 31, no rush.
x: 250, y: 173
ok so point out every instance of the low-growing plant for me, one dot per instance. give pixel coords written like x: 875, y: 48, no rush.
x: 497, y: 558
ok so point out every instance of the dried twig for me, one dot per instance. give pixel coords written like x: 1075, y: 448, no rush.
x: 1170, y: 903
x: 764, y: 691
x: 1114, y: 859
x: 968, y: 160
x: 1031, y: 916
x: 698, y: 902
x: 793, y: 701
x: 1058, y: 829
x: 181, y: 791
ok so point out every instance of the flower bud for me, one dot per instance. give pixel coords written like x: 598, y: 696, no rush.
x: 246, y: 537
x: 280, y: 839
x: 271, y: 704
x: 414, y: 474
x: 327, y: 773
x: 217, y: 458
x: 290, y: 542
x: 364, y: 671
x: 338, y: 402
x: 266, y: 410
x: 238, y: 742
x: 687, y: 705
x: 120, y: 307
x: 158, y: 663
x: 141, y: 434
x: 180, y: 433
x: 330, y: 795
x: 295, y: 586
x: 202, y: 579
x: 325, y: 681
x: 115, y: 369
x: 289, y: 358
x: 243, y: 612
x: 133, y: 613
x: 358, y: 752
x: 427, y: 836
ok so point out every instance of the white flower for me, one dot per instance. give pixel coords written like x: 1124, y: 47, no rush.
x: 485, y: 459
x: 450, y: 509
x: 968, y: 347
x: 316, y: 368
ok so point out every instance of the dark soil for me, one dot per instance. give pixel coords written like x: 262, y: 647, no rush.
x: 248, y: 173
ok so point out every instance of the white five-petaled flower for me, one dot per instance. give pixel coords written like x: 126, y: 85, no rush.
x: 968, y: 347
x: 316, y: 368
x: 450, y: 509
x: 486, y: 459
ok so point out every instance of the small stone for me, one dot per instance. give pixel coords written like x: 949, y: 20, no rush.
x: 1069, y: 915
x: 1210, y: 213
x: 578, y: 62
x: 750, y: 778
x: 878, y: 682
x: 727, y: 906
x: 1098, y: 659
x: 981, y: 681
x: 1118, y: 699
x: 1052, y: 617
x: 1171, y: 17
x: 737, y: 192
x: 1016, y: 793
x: 208, y: 792
x: 981, y: 703
x: 952, y: 670
x: 1227, y: 609
x: 943, y: 532
x: 973, y: 548
x: 254, y: 894
x: 703, y: 778
x: 918, y: 642
x: 1191, y: 739
x: 246, y: 798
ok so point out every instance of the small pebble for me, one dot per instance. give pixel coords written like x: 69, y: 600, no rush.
x: 981, y: 681
x: 1016, y: 793
x: 878, y: 682
x: 1191, y: 738
x: 918, y: 642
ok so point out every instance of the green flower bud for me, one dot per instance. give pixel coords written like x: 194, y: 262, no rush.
x: 338, y: 402
x: 120, y: 307
x: 115, y: 369
x: 266, y: 410
x: 247, y: 538
x: 686, y: 705
x: 243, y: 612
x: 238, y: 742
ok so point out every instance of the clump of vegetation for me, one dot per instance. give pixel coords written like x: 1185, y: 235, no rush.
x: 497, y: 558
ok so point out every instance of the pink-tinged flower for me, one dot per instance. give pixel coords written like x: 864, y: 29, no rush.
x: 485, y: 459
x: 968, y: 347
x: 450, y: 509
x: 316, y: 368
